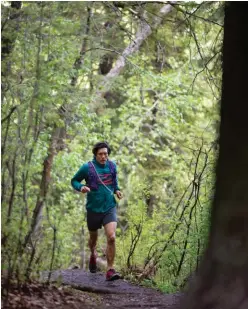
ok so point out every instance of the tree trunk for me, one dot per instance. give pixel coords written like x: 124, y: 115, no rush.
x: 8, y: 40
x: 222, y: 279
x: 80, y: 60
x: 45, y: 180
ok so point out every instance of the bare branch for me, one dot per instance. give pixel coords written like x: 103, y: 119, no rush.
x: 9, y: 115
x: 201, y: 55
x: 142, y: 34
x: 197, y: 16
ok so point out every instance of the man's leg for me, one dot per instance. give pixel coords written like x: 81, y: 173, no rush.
x: 92, y: 241
x: 92, y: 246
x: 110, y: 223
x: 93, y: 223
x: 110, y: 229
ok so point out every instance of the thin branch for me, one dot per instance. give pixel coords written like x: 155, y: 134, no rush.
x: 176, y: 6
x: 135, y: 240
x: 54, y: 244
x: 9, y: 115
x: 196, y: 41
x: 203, y: 18
x: 157, y: 254
x: 200, y: 53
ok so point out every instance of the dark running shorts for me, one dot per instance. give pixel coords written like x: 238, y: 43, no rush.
x: 96, y: 220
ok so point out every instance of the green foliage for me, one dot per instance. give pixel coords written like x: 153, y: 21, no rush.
x: 160, y: 115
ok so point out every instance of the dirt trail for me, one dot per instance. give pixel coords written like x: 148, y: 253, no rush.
x: 115, y: 294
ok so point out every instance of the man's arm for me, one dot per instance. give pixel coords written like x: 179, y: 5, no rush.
x: 80, y: 175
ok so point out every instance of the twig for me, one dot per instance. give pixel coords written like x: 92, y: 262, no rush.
x: 10, y: 113
x: 202, y: 70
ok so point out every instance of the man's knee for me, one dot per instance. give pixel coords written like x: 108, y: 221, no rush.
x: 111, y: 239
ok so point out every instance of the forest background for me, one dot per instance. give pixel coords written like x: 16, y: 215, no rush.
x: 144, y: 76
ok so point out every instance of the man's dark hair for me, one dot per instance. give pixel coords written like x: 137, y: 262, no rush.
x: 100, y: 145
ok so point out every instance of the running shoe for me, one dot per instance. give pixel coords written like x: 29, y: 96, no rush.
x: 112, y: 275
x: 92, y: 263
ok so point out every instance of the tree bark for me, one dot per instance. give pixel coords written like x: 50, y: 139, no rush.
x: 80, y: 60
x: 45, y: 180
x: 222, y: 279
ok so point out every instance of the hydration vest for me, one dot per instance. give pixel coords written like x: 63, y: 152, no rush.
x: 92, y: 180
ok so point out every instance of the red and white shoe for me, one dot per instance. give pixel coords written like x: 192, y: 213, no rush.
x: 112, y: 275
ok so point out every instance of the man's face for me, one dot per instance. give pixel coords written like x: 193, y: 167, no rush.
x: 102, y: 155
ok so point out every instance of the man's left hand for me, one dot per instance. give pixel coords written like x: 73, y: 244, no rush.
x: 119, y: 194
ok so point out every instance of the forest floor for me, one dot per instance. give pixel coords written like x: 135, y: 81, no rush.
x: 76, y: 289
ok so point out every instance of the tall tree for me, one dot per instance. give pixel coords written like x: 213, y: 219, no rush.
x: 222, y: 281
x: 9, y: 28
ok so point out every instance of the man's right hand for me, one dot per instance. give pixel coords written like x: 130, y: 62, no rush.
x: 85, y: 189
